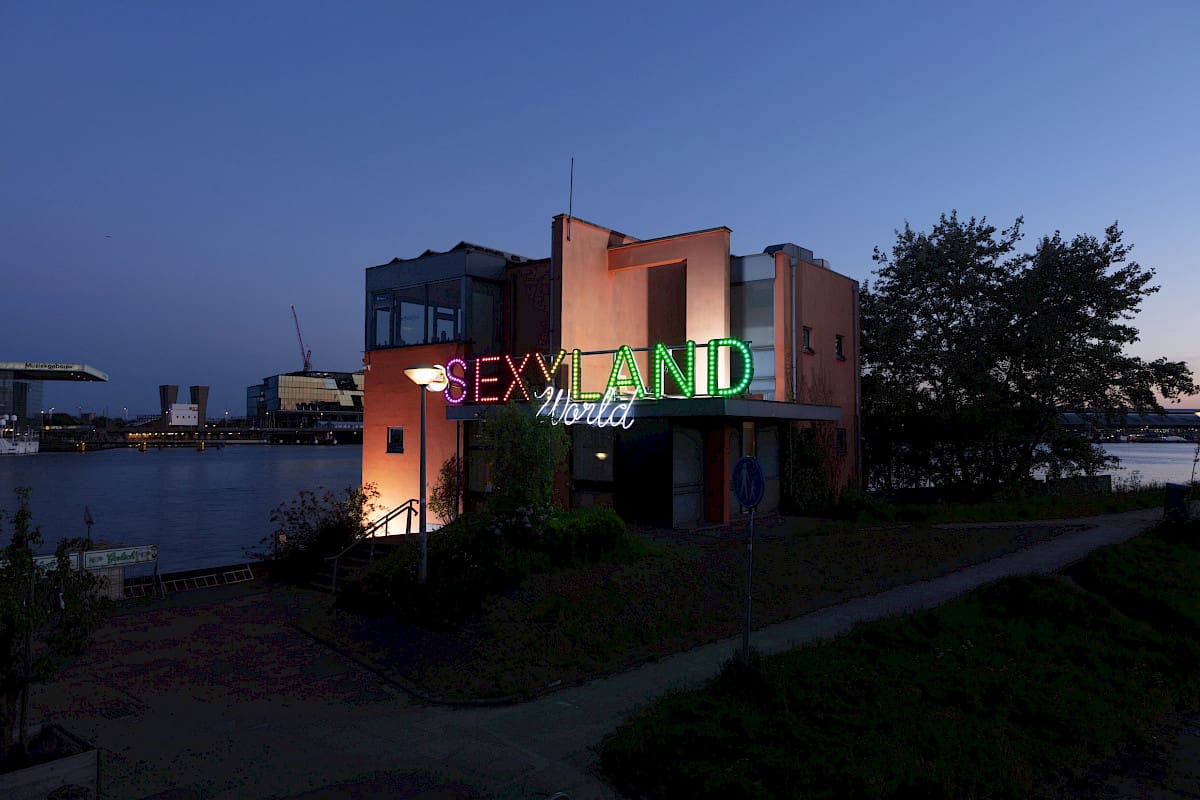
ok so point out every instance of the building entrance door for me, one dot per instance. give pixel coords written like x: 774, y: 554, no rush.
x: 687, y: 476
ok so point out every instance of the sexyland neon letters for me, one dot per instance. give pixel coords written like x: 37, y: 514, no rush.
x: 500, y: 379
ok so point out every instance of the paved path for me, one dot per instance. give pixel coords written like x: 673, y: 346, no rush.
x: 215, y: 695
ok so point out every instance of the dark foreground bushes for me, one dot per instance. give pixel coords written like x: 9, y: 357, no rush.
x: 478, y: 555
x: 997, y: 695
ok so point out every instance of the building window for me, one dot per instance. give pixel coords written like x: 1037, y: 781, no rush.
x: 841, y: 441
x: 839, y: 342
x: 752, y: 319
x: 418, y: 314
x: 806, y: 339
x: 411, y: 304
x: 381, y: 319
x: 485, y: 315
x: 395, y: 440
x: 445, y: 311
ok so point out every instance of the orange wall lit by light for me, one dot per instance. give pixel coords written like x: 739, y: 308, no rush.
x: 607, y: 299
x: 391, y: 400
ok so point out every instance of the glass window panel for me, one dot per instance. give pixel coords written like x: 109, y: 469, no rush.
x: 752, y: 312
x: 411, y: 327
x: 381, y: 319
x: 485, y: 316
x: 764, y: 362
x: 764, y: 369
x: 445, y: 311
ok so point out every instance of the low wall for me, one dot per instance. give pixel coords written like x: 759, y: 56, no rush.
x: 80, y: 770
x: 1079, y: 485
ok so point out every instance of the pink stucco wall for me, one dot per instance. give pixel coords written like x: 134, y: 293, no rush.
x: 609, y: 293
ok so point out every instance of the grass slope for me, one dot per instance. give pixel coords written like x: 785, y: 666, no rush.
x: 1000, y: 694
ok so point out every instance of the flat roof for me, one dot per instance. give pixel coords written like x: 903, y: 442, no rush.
x: 52, y: 371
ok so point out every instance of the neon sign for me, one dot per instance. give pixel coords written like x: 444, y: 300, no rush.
x: 562, y: 410
x: 501, y: 379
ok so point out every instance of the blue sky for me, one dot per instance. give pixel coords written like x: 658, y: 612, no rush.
x: 175, y: 177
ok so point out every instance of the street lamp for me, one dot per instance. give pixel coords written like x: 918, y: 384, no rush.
x: 432, y: 377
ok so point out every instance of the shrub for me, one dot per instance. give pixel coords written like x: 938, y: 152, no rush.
x: 467, y: 561
x: 480, y: 554
x: 582, y: 535
x: 314, y: 526
x: 805, y: 471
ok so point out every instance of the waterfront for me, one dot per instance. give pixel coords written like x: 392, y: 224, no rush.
x: 1153, y: 462
x: 202, y: 509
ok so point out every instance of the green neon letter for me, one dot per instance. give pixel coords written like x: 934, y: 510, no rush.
x: 685, y: 379
x: 616, y: 382
x: 577, y: 392
x: 747, y: 364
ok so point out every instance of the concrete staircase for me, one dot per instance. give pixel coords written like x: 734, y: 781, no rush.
x: 377, y: 542
x: 354, y: 561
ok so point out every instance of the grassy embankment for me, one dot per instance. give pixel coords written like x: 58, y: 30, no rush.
x: 686, y: 590
x: 1003, y: 693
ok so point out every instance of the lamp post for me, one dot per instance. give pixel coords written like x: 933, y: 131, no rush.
x: 432, y: 378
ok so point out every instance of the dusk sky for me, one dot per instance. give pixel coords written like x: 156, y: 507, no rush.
x: 176, y: 176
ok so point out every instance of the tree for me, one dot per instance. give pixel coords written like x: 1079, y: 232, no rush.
x: 971, y: 349
x: 525, y: 451
x: 45, y: 616
x: 445, y: 495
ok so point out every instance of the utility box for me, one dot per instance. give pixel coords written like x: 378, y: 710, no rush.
x: 1175, y: 507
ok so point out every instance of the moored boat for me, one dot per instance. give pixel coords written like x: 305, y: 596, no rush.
x: 13, y: 443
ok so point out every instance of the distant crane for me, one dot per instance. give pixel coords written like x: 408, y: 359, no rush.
x: 304, y: 354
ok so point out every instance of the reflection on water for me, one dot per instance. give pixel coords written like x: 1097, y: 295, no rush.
x: 1157, y: 462
x: 201, y: 508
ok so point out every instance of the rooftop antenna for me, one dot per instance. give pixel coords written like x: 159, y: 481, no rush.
x: 570, y: 198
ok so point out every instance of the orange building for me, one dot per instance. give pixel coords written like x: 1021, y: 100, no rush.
x: 667, y: 358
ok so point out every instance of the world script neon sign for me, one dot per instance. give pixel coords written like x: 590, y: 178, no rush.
x: 500, y: 379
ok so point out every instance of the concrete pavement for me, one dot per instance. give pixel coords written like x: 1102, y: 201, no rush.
x: 216, y: 695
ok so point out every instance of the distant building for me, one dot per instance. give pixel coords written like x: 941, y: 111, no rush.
x: 182, y: 415
x: 21, y: 385
x: 306, y: 399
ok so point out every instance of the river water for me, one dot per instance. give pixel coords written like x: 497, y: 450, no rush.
x: 1153, y: 462
x: 202, y: 509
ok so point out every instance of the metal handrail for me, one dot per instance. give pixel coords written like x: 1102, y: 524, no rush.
x: 409, y: 508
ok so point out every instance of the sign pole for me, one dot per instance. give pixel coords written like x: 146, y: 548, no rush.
x: 749, y: 583
x: 748, y: 484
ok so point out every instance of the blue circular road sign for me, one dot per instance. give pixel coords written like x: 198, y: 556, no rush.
x: 748, y: 481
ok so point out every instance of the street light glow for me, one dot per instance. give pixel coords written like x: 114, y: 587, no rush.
x: 431, y: 376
